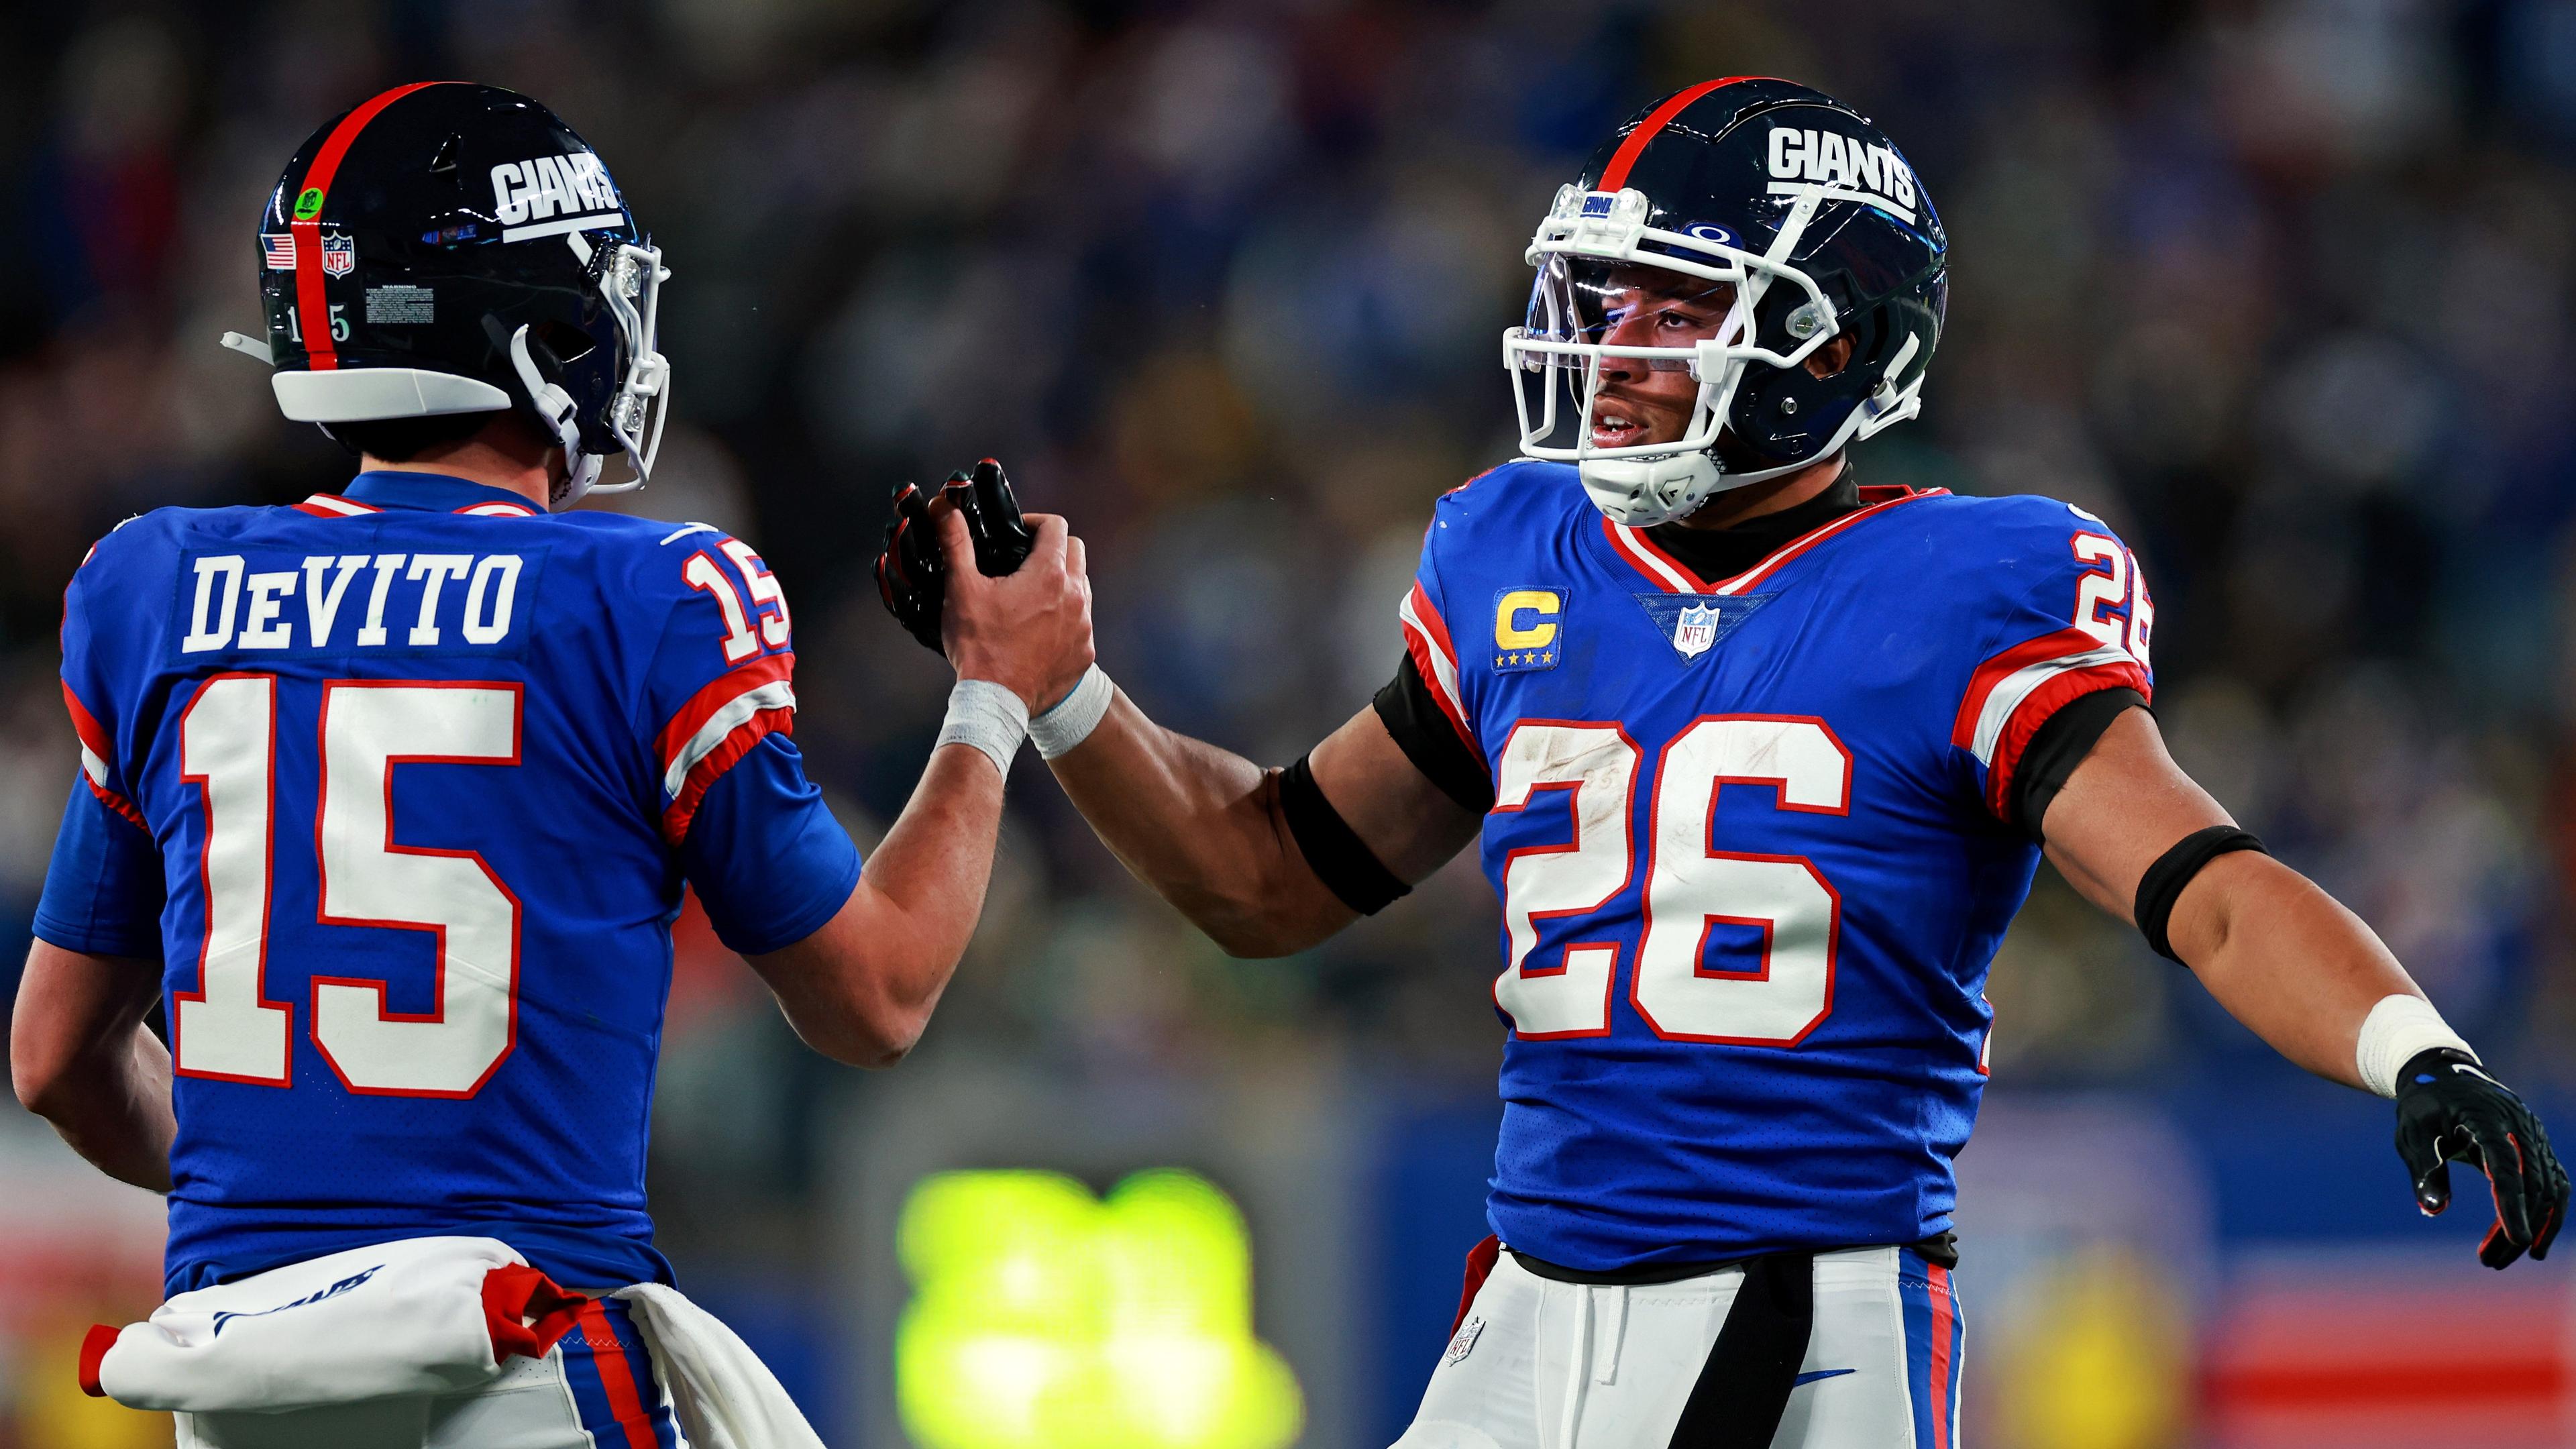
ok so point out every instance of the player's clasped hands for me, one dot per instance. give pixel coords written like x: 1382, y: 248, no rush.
x: 1005, y: 597
x: 1029, y: 630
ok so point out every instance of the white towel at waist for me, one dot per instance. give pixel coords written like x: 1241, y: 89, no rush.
x: 418, y: 1316
x: 726, y: 1398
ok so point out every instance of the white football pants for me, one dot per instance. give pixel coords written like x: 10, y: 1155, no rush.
x: 1540, y: 1364
x: 595, y: 1389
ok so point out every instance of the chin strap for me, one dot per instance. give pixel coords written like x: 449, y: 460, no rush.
x: 555, y: 409
x: 1642, y: 492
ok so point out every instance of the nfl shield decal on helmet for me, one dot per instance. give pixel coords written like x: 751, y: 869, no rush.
x: 339, y: 253
x: 1695, y: 630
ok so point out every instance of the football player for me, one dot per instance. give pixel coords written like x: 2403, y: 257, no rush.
x: 1762, y: 761
x: 389, y: 796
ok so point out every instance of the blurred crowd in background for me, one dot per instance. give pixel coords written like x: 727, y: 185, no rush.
x: 2281, y: 289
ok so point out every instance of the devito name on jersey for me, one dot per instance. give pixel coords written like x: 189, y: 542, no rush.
x: 1747, y: 834
x: 401, y: 786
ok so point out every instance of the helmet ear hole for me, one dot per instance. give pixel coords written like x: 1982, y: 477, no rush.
x: 564, y: 343
x: 1832, y: 356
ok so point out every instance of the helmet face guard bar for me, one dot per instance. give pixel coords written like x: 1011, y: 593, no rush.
x: 631, y: 284
x: 1611, y: 228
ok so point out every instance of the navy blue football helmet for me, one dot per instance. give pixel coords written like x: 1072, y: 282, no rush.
x: 455, y: 248
x: 1790, y: 220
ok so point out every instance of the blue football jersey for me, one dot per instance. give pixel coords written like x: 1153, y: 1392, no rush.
x: 1749, y: 842
x: 402, y: 786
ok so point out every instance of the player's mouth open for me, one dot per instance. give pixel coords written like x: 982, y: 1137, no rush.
x: 1614, y: 426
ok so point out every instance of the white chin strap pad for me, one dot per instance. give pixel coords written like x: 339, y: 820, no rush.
x: 556, y: 408
x: 1642, y: 492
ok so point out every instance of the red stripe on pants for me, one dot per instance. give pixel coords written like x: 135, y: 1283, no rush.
x: 616, y: 1377
x: 1942, y: 1320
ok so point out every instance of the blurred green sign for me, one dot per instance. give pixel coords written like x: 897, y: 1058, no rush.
x: 1045, y: 1318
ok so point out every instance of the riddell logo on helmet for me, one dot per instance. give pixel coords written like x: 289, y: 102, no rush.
x: 544, y: 187
x: 1845, y: 163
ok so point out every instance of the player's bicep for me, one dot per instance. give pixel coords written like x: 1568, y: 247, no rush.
x: 104, y: 887
x: 2080, y: 628
x: 2124, y: 805
x: 71, y: 1003
x: 769, y: 862
x: 1410, y: 824
x: 721, y: 677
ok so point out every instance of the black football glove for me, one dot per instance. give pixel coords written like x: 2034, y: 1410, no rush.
x: 912, y: 575
x: 2449, y: 1109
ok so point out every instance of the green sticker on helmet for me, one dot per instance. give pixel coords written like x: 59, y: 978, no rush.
x: 309, y: 205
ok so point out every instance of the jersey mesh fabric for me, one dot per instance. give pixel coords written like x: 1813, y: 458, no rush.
x: 612, y: 638
x: 1926, y: 637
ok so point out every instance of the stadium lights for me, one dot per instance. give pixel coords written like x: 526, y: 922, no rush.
x: 1045, y: 1318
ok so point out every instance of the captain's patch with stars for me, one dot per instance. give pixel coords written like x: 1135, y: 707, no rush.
x: 1528, y: 628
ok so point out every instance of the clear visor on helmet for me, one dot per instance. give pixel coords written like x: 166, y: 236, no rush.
x: 1618, y: 308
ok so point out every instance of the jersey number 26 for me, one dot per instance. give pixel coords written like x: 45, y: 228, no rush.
x: 1690, y: 891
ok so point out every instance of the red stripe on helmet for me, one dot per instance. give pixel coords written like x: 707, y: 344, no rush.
x: 1615, y: 175
x: 309, y: 298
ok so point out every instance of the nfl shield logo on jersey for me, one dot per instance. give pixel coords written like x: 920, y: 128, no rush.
x: 339, y: 254
x: 1695, y: 630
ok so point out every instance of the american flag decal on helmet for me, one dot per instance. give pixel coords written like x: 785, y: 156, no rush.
x: 280, y: 249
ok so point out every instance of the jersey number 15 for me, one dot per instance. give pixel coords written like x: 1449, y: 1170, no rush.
x: 228, y: 1028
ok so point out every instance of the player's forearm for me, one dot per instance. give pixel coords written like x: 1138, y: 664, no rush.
x: 861, y: 989
x: 931, y: 871
x: 1202, y: 826
x: 2286, y: 959
x: 119, y: 1116
x: 81, y: 1058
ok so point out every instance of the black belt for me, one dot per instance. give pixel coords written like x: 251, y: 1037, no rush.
x: 1743, y: 1388
x: 1941, y: 1248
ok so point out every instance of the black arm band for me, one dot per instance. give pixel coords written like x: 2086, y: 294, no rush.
x: 1422, y: 730
x: 2162, y: 885
x: 1341, y: 860
x: 2060, y: 745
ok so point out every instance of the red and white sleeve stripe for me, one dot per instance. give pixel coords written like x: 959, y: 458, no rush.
x: 1426, y: 638
x: 97, y: 748
x: 718, y: 726
x: 332, y: 505
x: 2013, y: 694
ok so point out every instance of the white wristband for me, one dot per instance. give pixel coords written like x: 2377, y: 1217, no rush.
x: 1075, y: 716
x: 987, y: 716
x: 2396, y: 1029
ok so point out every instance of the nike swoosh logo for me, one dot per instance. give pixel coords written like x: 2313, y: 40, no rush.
x: 1820, y: 1374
